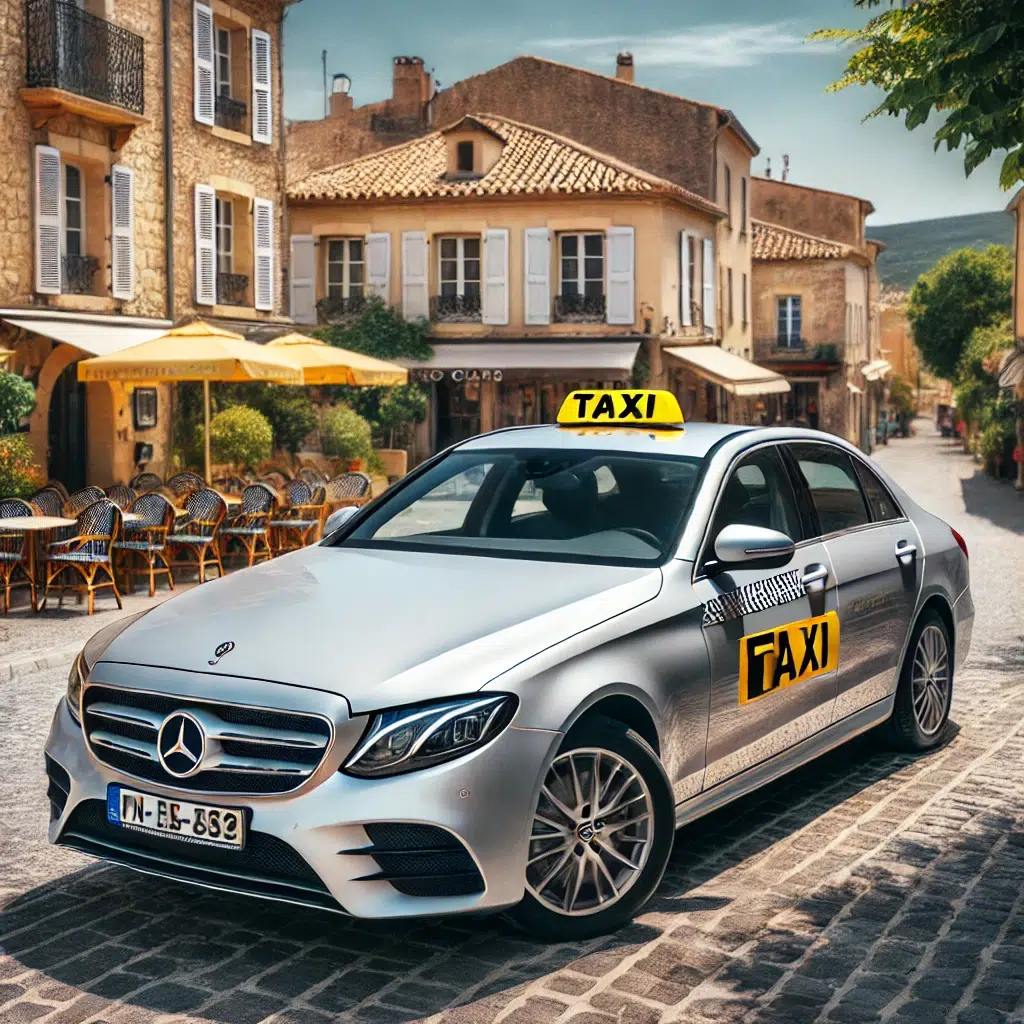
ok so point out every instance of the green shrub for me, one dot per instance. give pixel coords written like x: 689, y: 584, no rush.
x: 346, y: 435
x: 20, y: 477
x: 17, y: 399
x: 240, y: 436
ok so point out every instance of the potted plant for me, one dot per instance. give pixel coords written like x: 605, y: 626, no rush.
x: 347, y: 436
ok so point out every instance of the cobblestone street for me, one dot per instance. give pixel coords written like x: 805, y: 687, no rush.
x: 867, y: 886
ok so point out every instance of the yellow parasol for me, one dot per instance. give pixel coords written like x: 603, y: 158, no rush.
x: 194, y: 352
x: 325, y: 364
x: 5, y: 354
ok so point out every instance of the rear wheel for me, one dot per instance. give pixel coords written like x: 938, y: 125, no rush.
x: 925, y: 689
x: 601, y: 835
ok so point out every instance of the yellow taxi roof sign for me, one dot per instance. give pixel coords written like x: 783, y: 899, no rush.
x: 625, y: 408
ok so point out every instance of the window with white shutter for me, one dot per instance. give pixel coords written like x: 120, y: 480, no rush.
x: 495, y: 296
x: 202, y: 63
x: 302, y: 279
x: 48, y: 192
x: 262, y: 105
x: 122, y: 242
x: 206, y: 246
x: 537, y: 275
x: 621, y: 301
x: 685, y: 280
x: 378, y: 264
x: 415, y: 291
x: 263, y: 253
x: 710, y: 290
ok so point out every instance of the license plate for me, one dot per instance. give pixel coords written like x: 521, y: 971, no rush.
x: 176, y: 819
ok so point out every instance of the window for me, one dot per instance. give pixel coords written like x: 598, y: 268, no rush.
x: 746, y: 318
x: 732, y: 314
x: 790, y: 320
x: 743, y: 206
x: 835, y: 490
x: 225, y: 237
x: 144, y: 408
x: 728, y: 195
x: 345, y: 265
x: 464, y: 158
x: 222, y: 61
x: 442, y: 509
x: 883, y: 508
x: 460, y: 267
x: 74, y: 212
x: 583, y: 265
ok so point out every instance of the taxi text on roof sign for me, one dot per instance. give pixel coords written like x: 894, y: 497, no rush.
x: 621, y: 408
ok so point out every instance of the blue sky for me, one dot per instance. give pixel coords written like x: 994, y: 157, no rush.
x: 747, y: 55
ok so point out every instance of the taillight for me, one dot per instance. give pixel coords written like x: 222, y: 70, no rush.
x: 961, y: 542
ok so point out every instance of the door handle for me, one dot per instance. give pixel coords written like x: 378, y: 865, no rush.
x: 904, y: 549
x: 814, y: 574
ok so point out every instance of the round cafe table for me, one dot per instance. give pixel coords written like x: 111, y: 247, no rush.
x: 34, y: 527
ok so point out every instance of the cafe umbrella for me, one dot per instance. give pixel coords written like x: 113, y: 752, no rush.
x: 326, y: 364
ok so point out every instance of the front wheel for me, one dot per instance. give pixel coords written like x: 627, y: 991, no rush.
x: 925, y: 690
x: 601, y: 835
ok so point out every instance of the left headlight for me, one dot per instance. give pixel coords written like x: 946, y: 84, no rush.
x: 407, y: 739
x: 75, y: 679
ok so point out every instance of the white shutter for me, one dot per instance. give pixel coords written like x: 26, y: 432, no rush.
x: 263, y: 249
x: 685, y: 298
x: 378, y: 264
x: 302, y: 279
x: 48, y: 192
x: 415, y: 300
x: 122, y: 223
x: 495, y: 301
x: 206, y: 246
x: 621, y: 301
x: 537, y: 275
x: 262, y: 106
x: 710, y: 291
x: 202, y: 62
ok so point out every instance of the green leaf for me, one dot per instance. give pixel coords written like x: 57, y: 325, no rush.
x: 1012, y: 173
x: 986, y: 40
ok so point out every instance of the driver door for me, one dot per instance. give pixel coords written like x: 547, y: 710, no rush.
x: 772, y: 632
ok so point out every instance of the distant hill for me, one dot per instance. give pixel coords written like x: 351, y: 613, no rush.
x: 916, y: 247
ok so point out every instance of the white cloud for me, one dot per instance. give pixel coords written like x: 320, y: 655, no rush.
x: 704, y: 46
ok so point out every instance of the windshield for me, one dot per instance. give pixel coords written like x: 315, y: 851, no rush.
x: 583, y: 506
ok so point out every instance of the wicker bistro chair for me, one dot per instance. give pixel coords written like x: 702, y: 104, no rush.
x: 14, y: 552
x: 274, y: 479
x: 181, y: 485
x: 231, y: 484
x: 146, y: 482
x: 121, y: 496
x: 348, y: 489
x: 81, y: 500
x: 58, y: 486
x: 145, y: 540
x: 312, y: 476
x: 193, y: 544
x: 301, y: 522
x: 89, y: 554
x: 49, y: 501
x: 251, y: 527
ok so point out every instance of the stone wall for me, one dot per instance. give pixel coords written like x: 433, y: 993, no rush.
x: 813, y: 211
x: 821, y: 285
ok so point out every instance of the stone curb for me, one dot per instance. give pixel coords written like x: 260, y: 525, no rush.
x: 25, y: 666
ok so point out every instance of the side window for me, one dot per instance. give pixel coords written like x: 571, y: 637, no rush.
x: 441, y: 510
x: 835, y: 491
x: 758, y: 493
x: 883, y: 508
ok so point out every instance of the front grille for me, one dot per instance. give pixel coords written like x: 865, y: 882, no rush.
x: 257, y: 751
x: 266, y: 866
x: 58, y: 787
x: 420, y: 860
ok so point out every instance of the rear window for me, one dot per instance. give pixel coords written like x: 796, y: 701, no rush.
x: 835, y: 490
x: 883, y: 508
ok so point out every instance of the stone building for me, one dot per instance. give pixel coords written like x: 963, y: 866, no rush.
x: 106, y: 142
x: 816, y: 305
x: 542, y: 265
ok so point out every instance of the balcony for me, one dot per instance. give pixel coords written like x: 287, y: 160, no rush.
x: 456, y: 309
x: 797, y: 351
x: 80, y: 64
x: 338, y: 310
x: 77, y: 273
x: 579, y: 309
x: 231, y: 114
x: 233, y: 289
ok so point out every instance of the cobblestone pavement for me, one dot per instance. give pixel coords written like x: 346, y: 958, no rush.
x: 866, y: 887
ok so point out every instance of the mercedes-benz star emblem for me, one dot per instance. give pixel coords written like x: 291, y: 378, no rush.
x: 181, y: 744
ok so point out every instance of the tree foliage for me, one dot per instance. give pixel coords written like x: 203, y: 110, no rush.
x: 20, y: 477
x: 962, y: 60
x: 345, y: 434
x: 901, y: 396
x: 240, y: 436
x: 382, y: 332
x: 965, y: 291
x: 17, y: 399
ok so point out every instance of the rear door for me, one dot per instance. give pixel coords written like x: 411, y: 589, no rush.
x: 876, y: 554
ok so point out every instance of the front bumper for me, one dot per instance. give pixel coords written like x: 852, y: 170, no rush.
x: 312, y: 846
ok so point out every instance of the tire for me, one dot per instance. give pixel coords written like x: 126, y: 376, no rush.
x: 919, y: 719
x: 567, y: 835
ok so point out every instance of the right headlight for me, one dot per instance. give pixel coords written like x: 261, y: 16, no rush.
x: 407, y: 739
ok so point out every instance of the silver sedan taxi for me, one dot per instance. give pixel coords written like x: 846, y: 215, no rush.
x: 506, y: 682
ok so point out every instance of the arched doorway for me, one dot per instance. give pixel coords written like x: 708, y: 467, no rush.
x: 67, y: 430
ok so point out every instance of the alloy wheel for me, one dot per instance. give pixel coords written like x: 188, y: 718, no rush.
x: 930, y: 680
x: 592, y: 832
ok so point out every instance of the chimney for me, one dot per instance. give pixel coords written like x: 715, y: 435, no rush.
x: 410, y: 88
x: 624, y: 67
x: 341, y: 100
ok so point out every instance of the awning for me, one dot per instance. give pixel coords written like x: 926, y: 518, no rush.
x: 877, y: 370
x: 94, y: 337
x: 602, y: 356
x: 854, y: 390
x: 735, y: 374
x: 1011, y: 373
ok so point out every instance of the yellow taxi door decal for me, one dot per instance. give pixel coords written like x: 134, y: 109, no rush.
x: 787, y: 655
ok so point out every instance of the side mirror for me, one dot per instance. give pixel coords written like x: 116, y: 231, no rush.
x: 338, y: 518
x: 737, y: 544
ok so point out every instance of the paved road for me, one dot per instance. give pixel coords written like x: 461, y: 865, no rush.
x: 867, y: 887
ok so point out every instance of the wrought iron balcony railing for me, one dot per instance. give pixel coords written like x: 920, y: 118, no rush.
x: 579, y: 309
x: 230, y: 113
x: 450, y: 309
x: 77, y: 273
x: 336, y: 310
x: 233, y: 289
x: 70, y: 49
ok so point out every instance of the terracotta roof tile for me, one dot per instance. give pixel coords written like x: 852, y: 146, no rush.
x: 772, y: 242
x: 533, y: 162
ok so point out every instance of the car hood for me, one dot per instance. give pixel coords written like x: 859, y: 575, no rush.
x: 381, y: 628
